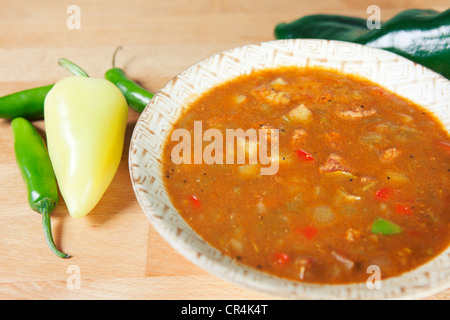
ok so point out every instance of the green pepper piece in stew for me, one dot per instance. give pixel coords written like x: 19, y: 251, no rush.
x: 382, y: 226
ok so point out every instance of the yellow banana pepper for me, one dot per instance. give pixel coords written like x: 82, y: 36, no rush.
x: 85, y: 121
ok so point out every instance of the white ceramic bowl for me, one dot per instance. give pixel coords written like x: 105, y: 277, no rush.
x: 389, y: 70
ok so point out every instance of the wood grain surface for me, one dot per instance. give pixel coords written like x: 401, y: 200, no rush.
x: 116, y: 252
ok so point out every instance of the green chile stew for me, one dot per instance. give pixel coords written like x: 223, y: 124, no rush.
x: 363, y: 178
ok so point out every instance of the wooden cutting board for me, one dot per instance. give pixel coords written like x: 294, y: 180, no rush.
x: 116, y: 252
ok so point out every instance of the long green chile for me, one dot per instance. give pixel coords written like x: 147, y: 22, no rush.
x: 37, y: 172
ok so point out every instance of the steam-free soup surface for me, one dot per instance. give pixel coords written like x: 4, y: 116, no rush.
x: 363, y: 178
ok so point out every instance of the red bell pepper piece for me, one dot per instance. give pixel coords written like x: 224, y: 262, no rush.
x: 303, y: 155
x: 309, y: 232
x: 384, y: 193
x: 413, y: 233
x: 281, y: 258
x: 403, y: 209
x: 444, y: 145
x: 195, y: 201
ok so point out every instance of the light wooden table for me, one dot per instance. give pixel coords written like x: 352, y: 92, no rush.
x: 116, y: 252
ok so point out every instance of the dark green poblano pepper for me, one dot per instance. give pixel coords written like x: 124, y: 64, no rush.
x: 422, y: 36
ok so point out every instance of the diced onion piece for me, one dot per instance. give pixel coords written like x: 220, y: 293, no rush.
x: 249, y: 146
x: 282, y: 98
x: 347, y: 263
x: 260, y: 207
x: 372, y: 138
x: 280, y: 159
x: 344, y: 195
x: 404, y: 118
x: 357, y: 113
x: 271, y: 96
x: 298, y: 136
x: 340, y: 174
x: 304, y: 264
x: 244, y: 148
x: 352, y: 234
x: 390, y: 154
x: 278, y: 81
x: 323, y: 214
x: 369, y: 186
x: 248, y: 170
x: 240, y: 99
x: 271, y: 132
x: 296, y: 204
x: 300, y: 114
x: 237, y: 245
x: 396, y: 177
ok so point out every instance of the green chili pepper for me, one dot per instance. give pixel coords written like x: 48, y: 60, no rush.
x: 136, y: 96
x: 37, y: 172
x: 422, y: 36
x: 27, y: 103
x: 382, y: 226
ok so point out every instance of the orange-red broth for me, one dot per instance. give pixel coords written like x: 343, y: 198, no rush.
x: 359, y: 153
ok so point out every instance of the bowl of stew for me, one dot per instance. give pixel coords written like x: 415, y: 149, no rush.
x: 303, y: 169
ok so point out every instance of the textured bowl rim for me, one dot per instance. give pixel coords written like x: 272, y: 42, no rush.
x: 423, y: 281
